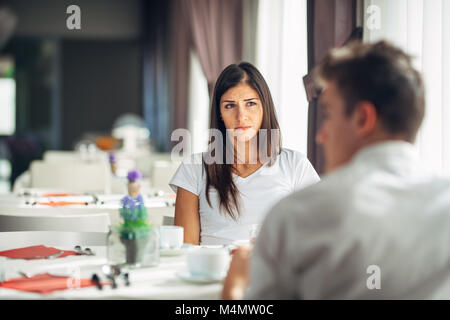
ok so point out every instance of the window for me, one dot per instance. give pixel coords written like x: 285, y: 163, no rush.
x: 7, y: 97
x: 422, y: 29
x: 282, y: 58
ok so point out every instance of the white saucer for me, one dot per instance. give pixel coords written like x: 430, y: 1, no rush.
x: 242, y: 243
x: 187, y: 276
x: 171, y: 252
x: 167, y: 252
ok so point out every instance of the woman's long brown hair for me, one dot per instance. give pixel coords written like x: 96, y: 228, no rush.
x: 219, y: 175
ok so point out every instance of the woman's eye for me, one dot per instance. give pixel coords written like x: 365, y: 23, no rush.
x: 251, y: 103
x: 228, y: 106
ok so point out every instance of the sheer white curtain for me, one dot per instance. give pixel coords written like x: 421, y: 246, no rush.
x: 198, y: 108
x: 281, y: 56
x: 422, y: 28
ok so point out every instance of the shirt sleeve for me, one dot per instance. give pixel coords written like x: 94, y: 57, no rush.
x: 306, y: 174
x: 188, y: 176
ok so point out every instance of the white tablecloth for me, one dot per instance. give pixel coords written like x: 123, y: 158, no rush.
x: 157, y: 206
x: 160, y: 282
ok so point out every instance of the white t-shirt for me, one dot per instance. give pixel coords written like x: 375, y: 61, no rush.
x: 258, y: 193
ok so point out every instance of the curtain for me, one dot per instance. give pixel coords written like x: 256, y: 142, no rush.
x: 330, y: 24
x: 180, y: 44
x: 422, y: 29
x: 155, y: 75
x: 216, y: 29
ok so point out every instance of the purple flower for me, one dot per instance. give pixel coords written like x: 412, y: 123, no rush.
x: 140, y: 201
x: 128, y: 203
x: 112, y: 157
x: 134, y: 175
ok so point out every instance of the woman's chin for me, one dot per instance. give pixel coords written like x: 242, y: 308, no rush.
x: 244, y: 137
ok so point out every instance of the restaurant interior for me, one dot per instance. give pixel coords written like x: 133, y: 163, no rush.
x: 93, y: 91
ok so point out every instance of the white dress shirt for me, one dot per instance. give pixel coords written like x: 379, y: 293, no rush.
x: 258, y: 193
x: 378, y: 228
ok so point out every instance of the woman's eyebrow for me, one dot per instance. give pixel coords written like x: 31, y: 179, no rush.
x: 224, y: 101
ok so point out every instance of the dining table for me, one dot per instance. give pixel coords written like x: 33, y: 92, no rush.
x: 160, y: 282
x: 57, y: 203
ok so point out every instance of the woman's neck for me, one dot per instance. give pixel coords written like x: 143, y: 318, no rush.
x: 245, y: 153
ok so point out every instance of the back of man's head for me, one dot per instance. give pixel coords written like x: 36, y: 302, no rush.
x: 383, y: 75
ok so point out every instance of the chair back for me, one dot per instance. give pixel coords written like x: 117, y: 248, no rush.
x: 64, y: 156
x: 161, y: 215
x: 53, y: 238
x: 71, y: 176
x: 161, y: 174
x: 144, y: 163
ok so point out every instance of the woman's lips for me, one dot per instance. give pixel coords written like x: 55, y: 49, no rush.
x: 243, y: 128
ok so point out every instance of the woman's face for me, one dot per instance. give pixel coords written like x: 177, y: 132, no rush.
x: 241, y: 111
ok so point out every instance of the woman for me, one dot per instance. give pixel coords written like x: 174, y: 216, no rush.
x: 223, y: 193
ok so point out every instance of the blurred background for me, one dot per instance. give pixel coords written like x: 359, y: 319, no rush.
x: 148, y: 64
x: 137, y: 70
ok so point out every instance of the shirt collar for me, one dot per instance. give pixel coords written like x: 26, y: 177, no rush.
x: 397, y: 156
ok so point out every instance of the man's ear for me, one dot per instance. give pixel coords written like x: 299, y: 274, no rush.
x: 366, y: 118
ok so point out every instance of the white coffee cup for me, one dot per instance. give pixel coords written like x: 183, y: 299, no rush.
x: 208, y: 262
x: 171, y: 237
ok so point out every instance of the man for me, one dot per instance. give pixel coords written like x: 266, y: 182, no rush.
x: 377, y: 225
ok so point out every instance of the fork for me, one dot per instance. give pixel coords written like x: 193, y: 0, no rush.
x: 86, y: 251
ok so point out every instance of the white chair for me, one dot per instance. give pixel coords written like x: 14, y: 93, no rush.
x: 161, y: 174
x: 161, y: 215
x: 22, y: 182
x: 71, y: 176
x: 64, y: 156
x: 53, y: 238
x: 99, y: 222
x: 144, y: 163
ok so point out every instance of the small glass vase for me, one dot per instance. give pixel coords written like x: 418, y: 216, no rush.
x: 134, y: 253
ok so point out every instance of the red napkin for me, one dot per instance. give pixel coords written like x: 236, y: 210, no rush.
x: 60, y: 194
x: 61, y: 203
x: 29, y: 252
x: 45, y: 283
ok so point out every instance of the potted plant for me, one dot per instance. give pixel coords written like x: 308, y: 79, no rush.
x: 140, y: 239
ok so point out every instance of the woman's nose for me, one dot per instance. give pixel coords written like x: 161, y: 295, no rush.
x: 242, y: 113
